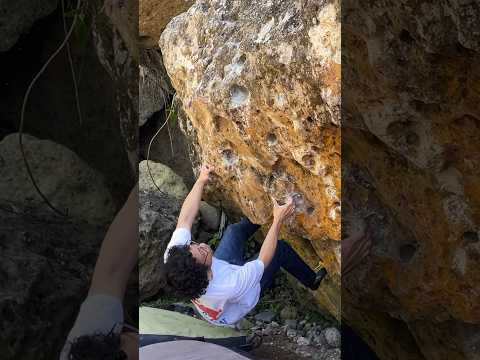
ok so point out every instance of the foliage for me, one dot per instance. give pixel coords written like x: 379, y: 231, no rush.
x: 160, y: 303
x: 214, y: 241
x: 172, y: 114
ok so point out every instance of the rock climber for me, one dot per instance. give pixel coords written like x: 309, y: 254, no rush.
x: 223, y: 285
x: 100, y: 331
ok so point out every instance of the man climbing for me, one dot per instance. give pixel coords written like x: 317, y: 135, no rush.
x: 224, y: 286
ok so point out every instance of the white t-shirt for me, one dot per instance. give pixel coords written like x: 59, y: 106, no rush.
x: 233, y: 290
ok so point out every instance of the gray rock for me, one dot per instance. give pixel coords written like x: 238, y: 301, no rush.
x: 69, y: 183
x: 328, y: 354
x: 117, y: 50
x: 291, y: 333
x: 268, y: 330
x: 244, y: 324
x: 288, y: 313
x: 291, y: 324
x: 209, y: 216
x: 318, y: 339
x: 303, y: 341
x: 165, y: 178
x: 265, y: 316
x: 17, y: 16
x: 157, y: 220
x: 203, y: 236
x: 153, y: 86
x: 332, y: 337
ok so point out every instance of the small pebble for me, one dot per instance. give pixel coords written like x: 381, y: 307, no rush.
x: 332, y: 337
x: 291, y: 333
x: 303, y: 341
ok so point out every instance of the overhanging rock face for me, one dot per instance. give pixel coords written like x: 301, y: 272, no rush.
x: 260, y: 83
x: 411, y: 151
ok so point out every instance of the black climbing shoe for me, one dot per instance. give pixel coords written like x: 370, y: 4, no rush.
x: 318, y: 278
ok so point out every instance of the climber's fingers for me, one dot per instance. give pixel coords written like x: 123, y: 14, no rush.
x: 274, y: 201
x: 289, y: 202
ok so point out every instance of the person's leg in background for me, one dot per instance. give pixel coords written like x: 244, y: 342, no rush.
x: 285, y: 257
x: 233, y: 241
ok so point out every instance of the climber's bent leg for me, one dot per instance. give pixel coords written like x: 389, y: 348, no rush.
x: 285, y: 257
x: 233, y: 242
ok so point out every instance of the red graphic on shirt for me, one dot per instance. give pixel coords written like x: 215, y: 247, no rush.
x: 212, y: 313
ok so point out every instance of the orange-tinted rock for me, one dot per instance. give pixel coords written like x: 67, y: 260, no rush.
x: 154, y: 16
x: 410, y: 136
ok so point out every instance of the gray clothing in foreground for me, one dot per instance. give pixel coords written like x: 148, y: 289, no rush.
x: 187, y: 350
x: 99, y: 313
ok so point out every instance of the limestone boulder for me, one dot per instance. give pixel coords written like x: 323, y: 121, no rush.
x: 411, y: 157
x: 17, y: 16
x: 260, y: 87
x: 154, y: 16
x: 70, y: 184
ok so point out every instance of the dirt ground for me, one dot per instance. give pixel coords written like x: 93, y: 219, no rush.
x: 274, y: 348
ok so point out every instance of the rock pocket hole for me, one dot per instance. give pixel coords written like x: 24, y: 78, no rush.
x: 470, y: 237
x: 229, y: 157
x: 238, y: 96
x: 308, y: 161
x: 242, y: 59
x: 271, y: 139
x: 407, y: 252
x: 406, y: 37
x: 412, y: 138
x: 310, y: 210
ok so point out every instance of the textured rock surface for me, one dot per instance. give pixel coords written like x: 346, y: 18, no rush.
x: 260, y: 83
x: 411, y: 153
x: 117, y: 49
x: 154, y: 16
x: 17, y: 16
x: 164, y: 177
x: 154, y: 85
x: 45, y: 263
x: 158, y: 218
x: 67, y: 181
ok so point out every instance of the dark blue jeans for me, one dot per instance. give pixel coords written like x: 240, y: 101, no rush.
x: 232, y: 250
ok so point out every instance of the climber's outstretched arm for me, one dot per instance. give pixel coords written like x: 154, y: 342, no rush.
x: 119, y: 251
x: 192, y: 202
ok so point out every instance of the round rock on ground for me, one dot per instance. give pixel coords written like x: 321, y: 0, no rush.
x: 332, y: 336
x: 68, y: 183
x: 163, y: 177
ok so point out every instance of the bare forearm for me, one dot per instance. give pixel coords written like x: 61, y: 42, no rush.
x: 119, y: 251
x: 270, y: 243
x: 191, y: 205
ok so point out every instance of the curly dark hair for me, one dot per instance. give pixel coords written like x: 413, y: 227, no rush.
x: 183, y: 277
x: 97, y: 347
